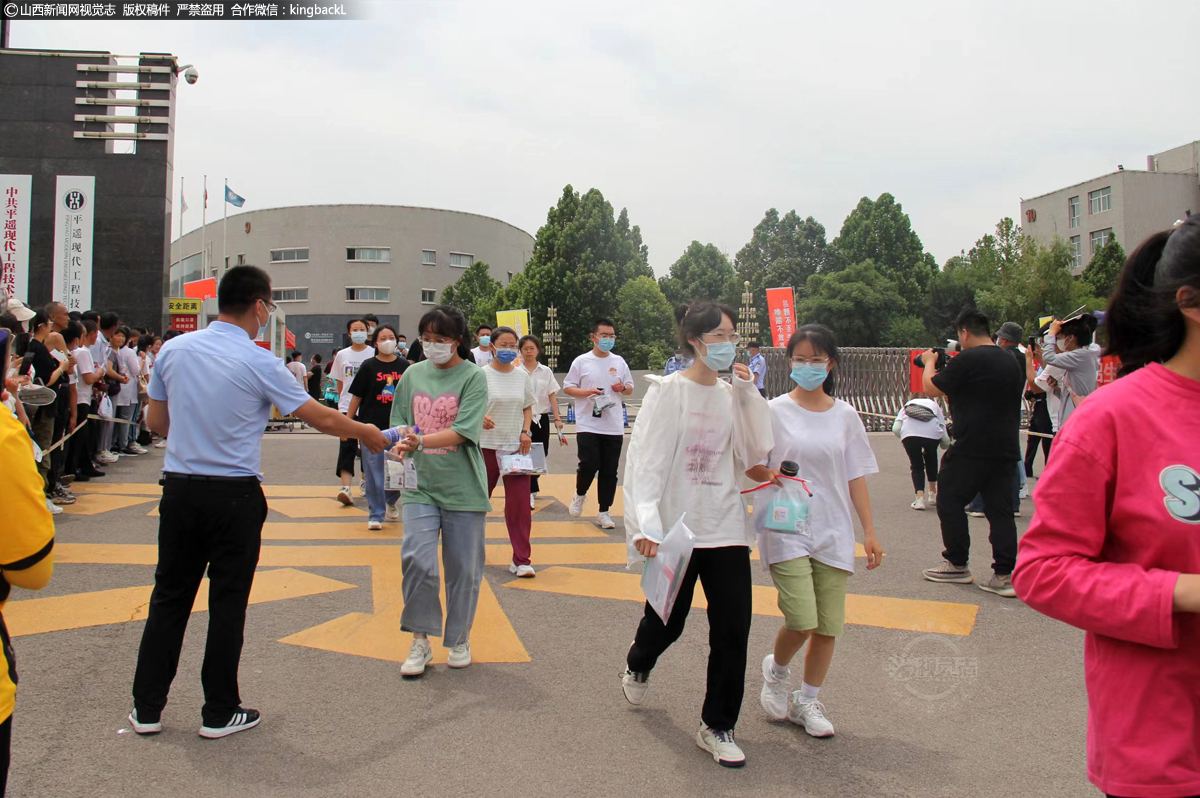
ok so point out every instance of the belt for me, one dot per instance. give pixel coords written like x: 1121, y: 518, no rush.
x: 169, y: 476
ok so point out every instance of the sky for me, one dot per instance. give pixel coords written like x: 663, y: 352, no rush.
x: 696, y: 116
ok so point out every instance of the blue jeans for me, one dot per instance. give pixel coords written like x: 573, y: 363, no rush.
x: 976, y: 505
x: 462, y: 557
x: 373, y: 470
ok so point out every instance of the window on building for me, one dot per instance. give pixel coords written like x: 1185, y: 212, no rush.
x: 1076, y: 252
x: 1074, y: 211
x: 428, y: 296
x: 242, y: 259
x: 1100, y: 200
x: 371, y: 254
x: 429, y: 257
x: 280, y: 255
x: 289, y: 295
x: 1100, y: 238
x: 510, y: 277
x: 461, y: 260
x: 367, y: 294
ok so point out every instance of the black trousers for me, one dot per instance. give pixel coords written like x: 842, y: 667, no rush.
x: 598, y: 454
x: 5, y: 753
x: 79, y: 448
x: 213, y: 525
x: 995, y: 480
x: 541, y: 434
x: 58, y: 458
x: 1038, y: 422
x: 922, y: 458
x: 347, y: 452
x: 725, y: 575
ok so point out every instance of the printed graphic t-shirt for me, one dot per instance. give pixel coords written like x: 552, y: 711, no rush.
x: 375, y: 384
x: 590, y: 371
x: 436, y: 399
x: 345, y: 366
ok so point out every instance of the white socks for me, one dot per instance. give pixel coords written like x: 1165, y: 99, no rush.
x: 778, y: 671
x: 808, y: 692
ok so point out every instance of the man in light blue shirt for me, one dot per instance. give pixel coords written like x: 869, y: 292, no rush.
x: 213, y: 390
x: 677, y: 362
x: 758, y: 366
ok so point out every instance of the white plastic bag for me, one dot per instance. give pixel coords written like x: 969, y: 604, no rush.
x: 515, y: 463
x: 663, y: 575
x: 105, y: 408
x: 785, y: 510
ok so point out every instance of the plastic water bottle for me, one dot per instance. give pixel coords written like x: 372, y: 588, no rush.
x: 397, y: 434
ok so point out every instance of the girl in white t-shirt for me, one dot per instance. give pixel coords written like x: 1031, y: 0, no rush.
x: 825, y: 437
x: 921, y: 428
x: 694, y: 437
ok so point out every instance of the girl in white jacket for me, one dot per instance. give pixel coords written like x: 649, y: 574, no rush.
x: 694, y: 437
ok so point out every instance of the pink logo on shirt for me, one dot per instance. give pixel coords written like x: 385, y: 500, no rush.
x: 434, y: 415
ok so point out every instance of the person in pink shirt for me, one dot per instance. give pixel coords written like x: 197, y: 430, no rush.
x: 1114, y: 547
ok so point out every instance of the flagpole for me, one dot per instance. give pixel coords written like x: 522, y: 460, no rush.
x: 181, y: 201
x: 225, y: 226
x: 203, y: 231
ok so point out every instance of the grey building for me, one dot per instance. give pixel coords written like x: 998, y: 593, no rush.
x: 1129, y: 204
x: 333, y: 263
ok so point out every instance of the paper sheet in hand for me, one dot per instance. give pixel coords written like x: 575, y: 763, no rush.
x: 513, y: 463
x: 663, y: 573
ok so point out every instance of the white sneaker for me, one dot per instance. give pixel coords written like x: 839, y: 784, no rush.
x: 133, y: 447
x: 930, y: 499
x: 605, y: 521
x: 393, y: 512
x: 460, y: 656
x: 1024, y: 494
x: 523, y: 571
x: 144, y: 728
x: 374, y: 526
x: 362, y: 487
x: 918, y: 503
x: 533, y: 501
x: 976, y: 514
x: 810, y: 714
x: 419, y: 656
x: 53, y: 508
x: 576, y: 508
x: 161, y: 444
x: 344, y: 496
x: 107, y: 457
x: 722, y: 746
x: 774, y: 695
x: 635, y: 685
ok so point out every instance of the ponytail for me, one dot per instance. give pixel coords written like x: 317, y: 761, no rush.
x: 1143, y: 321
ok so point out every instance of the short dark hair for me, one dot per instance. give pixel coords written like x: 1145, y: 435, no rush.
x: 89, y: 327
x: 379, y: 329
x: 296, y: 354
x: 75, y: 315
x: 447, y: 321
x: 602, y: 322
x: 1082, y: 329
x: 824, y: 341
x: 39, y: 318
x: 72, y: 332
x: 171, y: 333
x: 498, y: 331
x: 108, y: 320
x: 698, y: 318
x: 401, y: 335
x: 91, y: 315
x: 371, y: 317
x: 241, y: 287
x: 350, y: 324
x: 974, y: 322
x: 534, y: 338
x: 146, y: 341
x: 317, y: 358
x: 487, y: 327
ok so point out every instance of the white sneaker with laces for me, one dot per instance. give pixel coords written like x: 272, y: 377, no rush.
x: 161, y: 444
x: 605, y: 521
x: 362, y: 487
x: 810, y: 714
x: 52, y: 507
x: 523, y: 571
x: 533, y: 501
x: 133, y: 447
x: 344, y: 496
x: 460, y: 656
x: 774, y: 695
x: 393, y: 512
x: 918, y: 503
x: 722, y: 747
x: 576, y: 508
x: 1024, y: 494
x: 635, y: 685
x: 930, y: 499
x: 374, y: 526
x: 419, y: 655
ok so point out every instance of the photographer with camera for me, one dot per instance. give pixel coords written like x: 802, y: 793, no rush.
x: 984, y: 385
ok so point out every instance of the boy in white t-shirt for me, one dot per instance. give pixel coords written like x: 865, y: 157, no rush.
x: 345, y: 365
x: 599, y: 380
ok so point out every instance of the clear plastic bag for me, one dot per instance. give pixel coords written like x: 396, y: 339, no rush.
x: 784, y: 509
x: 662, y: 576
x: 515, y: 463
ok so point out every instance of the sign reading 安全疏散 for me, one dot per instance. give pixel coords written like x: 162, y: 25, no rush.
x: 74, y: 213
x: 16, y: 194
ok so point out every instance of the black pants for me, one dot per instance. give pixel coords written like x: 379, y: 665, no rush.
x: 995, y: 480
x: 5, y: 753
x: 1038, y: 422
x: 598, y: 454
x: 217, y: 525
x: 58, y: 458
x: 725, y: 575
x: 79, y: 455
x: 922, y: 457
x: 347, y: 452
x: 541, y: 434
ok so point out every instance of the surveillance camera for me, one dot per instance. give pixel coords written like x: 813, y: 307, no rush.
x: 191, y: 75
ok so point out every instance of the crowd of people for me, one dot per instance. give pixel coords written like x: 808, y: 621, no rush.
x: 1112, y: 547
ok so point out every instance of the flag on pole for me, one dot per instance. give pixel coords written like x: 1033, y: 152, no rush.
x: 183, y: 199
x: 233, y: 199
x: 206, y: 193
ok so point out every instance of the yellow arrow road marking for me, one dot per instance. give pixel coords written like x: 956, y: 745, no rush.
x: 889, y: 613
x: 79, y: 610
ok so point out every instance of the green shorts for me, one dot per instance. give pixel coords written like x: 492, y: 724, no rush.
x: 812, y: 595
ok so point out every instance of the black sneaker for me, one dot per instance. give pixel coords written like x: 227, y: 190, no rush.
x: 145, y: 727
x: 242, y: 719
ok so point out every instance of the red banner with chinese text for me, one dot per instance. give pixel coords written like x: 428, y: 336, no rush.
x: 781, y: 310
x: 1109, y: 366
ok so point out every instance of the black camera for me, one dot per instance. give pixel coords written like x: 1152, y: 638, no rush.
x: 939, y: 364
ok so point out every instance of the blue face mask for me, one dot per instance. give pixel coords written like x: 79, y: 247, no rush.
x: 809, y: 377
x: 607, y: 344
x: 485, y: 340
x: 506, y: 356
x: 719, y: 356
x: 359, y: 336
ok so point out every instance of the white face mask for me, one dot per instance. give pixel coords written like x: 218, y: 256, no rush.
x: 386, y: 347
x: 439, y: 353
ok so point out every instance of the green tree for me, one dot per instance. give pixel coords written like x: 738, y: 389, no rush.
x: 858, y: 303
x: 582, y: 257
x: 474, y: 293
x: 1105, y: 268
x: 781, y: 252
x: 1038, y: 283
x: 906, y: 331
x: 645, y: 324
x: 881, y: 232
x: 702, y: 272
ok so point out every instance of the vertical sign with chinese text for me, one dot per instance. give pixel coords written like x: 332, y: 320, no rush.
x: 74, y: 212
x: 517, y: 319
x: 15, y: 198
x: 781, y: 308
